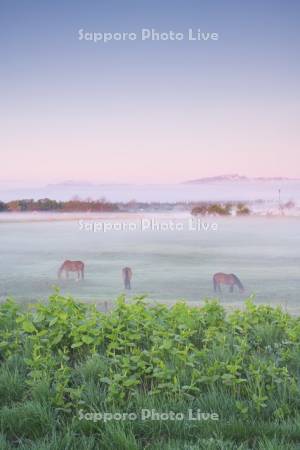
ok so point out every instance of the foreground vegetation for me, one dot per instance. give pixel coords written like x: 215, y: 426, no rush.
x: 62, y: 359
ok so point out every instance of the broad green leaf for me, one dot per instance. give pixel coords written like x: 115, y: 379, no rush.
x: 28, y: 326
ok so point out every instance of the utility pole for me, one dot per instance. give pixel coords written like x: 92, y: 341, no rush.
x: 279, y: 201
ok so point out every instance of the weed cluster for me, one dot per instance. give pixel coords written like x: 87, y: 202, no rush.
x: 64, y: 356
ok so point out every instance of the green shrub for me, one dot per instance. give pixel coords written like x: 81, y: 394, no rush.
x: 63, y: 356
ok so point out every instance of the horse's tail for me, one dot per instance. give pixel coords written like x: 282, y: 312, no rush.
x: 60, y: 270
x: 238, y: 282
x: 82, y: 271
x: 129, y: 273
x: 215, y: 283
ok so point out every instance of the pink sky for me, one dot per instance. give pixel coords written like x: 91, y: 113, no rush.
x: 134, y: 145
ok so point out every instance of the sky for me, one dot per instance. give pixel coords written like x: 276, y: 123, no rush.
x: 148, y: 111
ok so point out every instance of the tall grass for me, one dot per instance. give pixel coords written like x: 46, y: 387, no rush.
x: 63, y: 357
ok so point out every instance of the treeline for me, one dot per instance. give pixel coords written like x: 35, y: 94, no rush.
x: 218, y: 209
x: 88, y: 205
x: 57, y: 206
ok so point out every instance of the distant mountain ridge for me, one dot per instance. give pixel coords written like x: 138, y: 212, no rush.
x: 83, y: 185
x: 236, y: 177
x: 71, y: 183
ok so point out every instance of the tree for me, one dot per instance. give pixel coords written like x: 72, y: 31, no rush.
x: 3, y: 206
x: 242, y: 210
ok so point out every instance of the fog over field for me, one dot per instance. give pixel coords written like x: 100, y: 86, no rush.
x: 167, y: 265
x: 215, y: 191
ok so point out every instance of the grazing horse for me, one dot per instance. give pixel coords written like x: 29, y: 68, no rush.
x: 229, y: 279
x: 127, y: 275
x: 72, y: 266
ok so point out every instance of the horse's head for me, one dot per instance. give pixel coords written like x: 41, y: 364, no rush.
x: 238, y: 283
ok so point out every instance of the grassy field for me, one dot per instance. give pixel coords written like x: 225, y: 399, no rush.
x: 63, y: 364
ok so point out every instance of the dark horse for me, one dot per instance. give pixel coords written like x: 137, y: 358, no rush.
x: 229, y: 279
x: 72, y: 266
x: 127, y: 275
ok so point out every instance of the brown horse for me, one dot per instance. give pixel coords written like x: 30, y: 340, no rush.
x: 72, y: 266
x: 228, y: 279
x: 127, y: 275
